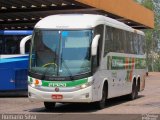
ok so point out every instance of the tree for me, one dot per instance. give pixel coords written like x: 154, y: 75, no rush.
x: 153, y: 36
x: 148, y: 4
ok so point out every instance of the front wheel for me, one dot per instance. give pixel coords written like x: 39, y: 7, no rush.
x: 102, y: 103
x: 49, y: 105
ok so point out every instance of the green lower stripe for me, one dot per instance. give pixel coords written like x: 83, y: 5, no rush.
x: 64, y: 83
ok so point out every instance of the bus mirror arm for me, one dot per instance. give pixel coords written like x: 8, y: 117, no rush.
x: 94, y: 45
x: 23, y: 42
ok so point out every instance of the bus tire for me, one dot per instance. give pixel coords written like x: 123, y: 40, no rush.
x: 102, y: 103
x: 146, y: 73
x: 49, y: 105
x: 134, y: 93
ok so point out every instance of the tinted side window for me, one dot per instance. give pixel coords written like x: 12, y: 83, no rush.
x: 135, y: 42
x: 108, y: 40
x: 96, y: 59
x: 27, y: 46
x: 141, y: 45
x: 128, y: 42
x: 132, y: 50
x: 121, y: 41
x: 99, y: 30
x: 12, y: 44
x: 9, y: 44
x: 114, y: 40
x: 1, y: 44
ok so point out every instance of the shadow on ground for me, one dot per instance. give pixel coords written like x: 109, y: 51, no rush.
x: 79, y: 107
x: 11, y: 94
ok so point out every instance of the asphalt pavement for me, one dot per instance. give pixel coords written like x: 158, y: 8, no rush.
x: 146, y: 106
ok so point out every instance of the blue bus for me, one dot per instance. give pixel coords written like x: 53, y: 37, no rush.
x: 13, y: 64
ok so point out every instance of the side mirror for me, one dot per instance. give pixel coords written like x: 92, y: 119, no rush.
x: 95, y: 45
x: 23, y: 42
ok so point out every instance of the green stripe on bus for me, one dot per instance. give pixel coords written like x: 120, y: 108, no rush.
x: 30, y: 80
x: 119, y: 63
x: 64, y: 83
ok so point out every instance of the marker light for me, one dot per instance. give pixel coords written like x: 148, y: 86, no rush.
x: 36, y: 82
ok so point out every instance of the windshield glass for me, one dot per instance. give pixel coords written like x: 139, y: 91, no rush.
x: 61, y: 53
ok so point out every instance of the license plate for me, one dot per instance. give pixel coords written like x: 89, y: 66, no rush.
x: 57, y: 96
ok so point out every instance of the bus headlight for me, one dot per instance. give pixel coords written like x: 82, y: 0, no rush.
x: 85, y: 85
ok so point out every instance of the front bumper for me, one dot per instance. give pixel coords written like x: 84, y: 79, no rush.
x: 82, y: 95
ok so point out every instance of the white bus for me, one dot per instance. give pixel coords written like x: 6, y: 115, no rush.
x: 85, y: 58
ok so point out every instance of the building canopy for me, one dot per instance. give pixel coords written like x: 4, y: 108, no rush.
x: 23, y: 14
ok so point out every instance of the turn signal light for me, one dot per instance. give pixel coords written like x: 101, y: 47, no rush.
x: 36, y: 82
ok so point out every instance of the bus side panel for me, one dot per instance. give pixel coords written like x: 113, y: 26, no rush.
x: 20, y: 74
x: 13, y: 72
x: 6, y: 78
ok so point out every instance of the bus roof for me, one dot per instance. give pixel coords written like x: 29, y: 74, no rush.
x: 81, y: 21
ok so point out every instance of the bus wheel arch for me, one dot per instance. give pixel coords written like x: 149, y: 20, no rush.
x: 104, y: 94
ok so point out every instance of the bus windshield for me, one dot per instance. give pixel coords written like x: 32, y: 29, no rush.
x: 61, y: 53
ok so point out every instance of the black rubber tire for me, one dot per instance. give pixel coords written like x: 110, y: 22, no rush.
x: 146, y: 73
x: 134, y: 93
x: 102, y: 103
x: 49, y: 105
